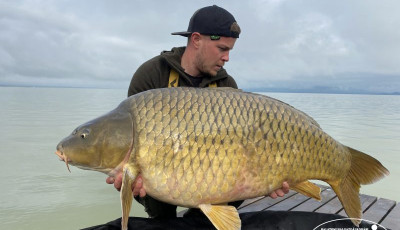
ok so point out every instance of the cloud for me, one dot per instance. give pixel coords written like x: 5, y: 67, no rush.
x: 101, y: 43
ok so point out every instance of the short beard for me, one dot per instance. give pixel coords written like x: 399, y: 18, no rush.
x: 199, y: 63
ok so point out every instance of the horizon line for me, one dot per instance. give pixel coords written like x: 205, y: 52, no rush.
x: 248, y: 89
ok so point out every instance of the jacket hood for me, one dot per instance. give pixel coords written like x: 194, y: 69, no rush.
x: 174, y: 57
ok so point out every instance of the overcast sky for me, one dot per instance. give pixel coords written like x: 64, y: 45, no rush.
x: 341, y: 45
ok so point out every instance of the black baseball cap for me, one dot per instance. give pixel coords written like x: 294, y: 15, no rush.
x: 214, y: 21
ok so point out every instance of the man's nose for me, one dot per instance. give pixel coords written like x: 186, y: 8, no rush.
x: 225, y: 57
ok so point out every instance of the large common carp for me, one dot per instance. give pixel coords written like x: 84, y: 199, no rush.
x: 205, y: 147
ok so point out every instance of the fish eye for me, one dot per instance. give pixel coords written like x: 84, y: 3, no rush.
x: 85, y: 133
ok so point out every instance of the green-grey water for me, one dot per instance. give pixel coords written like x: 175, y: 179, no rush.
x: 37, y: 191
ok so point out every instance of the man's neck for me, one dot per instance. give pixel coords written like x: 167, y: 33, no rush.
x: 187, y: 63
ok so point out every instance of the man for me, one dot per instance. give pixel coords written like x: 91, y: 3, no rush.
x: 211, y: 34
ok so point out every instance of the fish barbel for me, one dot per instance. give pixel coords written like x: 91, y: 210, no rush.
x: 205, y: 147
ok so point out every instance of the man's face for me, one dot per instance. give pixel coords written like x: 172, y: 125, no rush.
x: 213, y: 54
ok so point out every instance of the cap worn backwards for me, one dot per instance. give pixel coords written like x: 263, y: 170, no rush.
x: 214, y: 21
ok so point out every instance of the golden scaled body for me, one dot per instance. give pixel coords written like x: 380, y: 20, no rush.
x: 196, y: 146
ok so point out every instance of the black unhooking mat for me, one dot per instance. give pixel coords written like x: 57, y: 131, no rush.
x: 267, y: 220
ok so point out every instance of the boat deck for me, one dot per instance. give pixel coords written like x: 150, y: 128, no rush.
x: 379, y: 210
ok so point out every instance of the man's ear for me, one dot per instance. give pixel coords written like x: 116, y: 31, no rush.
x: 196, y: 39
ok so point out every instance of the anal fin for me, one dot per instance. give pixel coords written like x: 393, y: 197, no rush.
x: 223, y: 217
x: 308, y: 189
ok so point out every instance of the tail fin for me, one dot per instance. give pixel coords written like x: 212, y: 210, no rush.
x: 364, y: 169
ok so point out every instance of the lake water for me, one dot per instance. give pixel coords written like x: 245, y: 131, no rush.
x: 37, y: 191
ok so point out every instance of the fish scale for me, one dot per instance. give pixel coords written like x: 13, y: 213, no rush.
x: 201, y: 147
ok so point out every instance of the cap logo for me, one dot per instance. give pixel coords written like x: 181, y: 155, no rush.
x: 235, y: 28
x: 215, y: 37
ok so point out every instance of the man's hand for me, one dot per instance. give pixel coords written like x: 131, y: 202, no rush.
x: 281, y: 191
x: 137, y: 186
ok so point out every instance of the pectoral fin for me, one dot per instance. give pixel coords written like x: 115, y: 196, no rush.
x: 128, y: 177
x: 222, y: 216
x: 308, y: 189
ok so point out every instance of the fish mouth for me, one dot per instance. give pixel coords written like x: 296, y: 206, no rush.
x: 63, y: 157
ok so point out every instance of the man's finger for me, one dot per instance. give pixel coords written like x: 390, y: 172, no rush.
x: 110, y: 180
x: 118, y: 183
x: 279, y: 192
x: 142, y: 193
x: 285, y: 187
x: 137, y: 186
x: 273, y: 195
x: 139, y: 182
